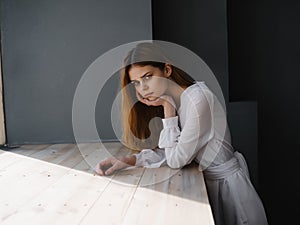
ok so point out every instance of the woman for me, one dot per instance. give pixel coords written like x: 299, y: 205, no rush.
x: 193, y: 127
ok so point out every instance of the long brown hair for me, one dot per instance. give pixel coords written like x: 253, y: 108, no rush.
x: 138, y: 132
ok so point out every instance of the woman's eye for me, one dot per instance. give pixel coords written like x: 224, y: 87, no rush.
x: 135, y: 83
x: 148, y: 77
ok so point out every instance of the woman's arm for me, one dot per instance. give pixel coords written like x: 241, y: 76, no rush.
x: 181, y: 146
x: 146, y: 158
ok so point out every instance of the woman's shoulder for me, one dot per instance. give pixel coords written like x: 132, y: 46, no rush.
x: 196, y: 92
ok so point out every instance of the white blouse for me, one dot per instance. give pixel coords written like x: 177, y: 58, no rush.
x: 199, y: 132
x: 204, y: 136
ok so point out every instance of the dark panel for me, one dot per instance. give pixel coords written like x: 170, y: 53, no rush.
x: 242, y: 121
x: 242, y: 28
x: 199, y: 26
x: 264, y: 39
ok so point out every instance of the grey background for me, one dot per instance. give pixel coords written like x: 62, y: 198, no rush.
x: 46, y: 47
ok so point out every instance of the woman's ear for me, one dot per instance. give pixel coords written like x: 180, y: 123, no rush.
x: 168, y: 70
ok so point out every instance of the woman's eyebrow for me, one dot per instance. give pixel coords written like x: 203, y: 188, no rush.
x: 145, y: 74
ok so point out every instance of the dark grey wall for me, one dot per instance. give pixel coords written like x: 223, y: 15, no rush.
x: 264, y: 55
x: 46, y: 47
x: 200, y: 26
x: 242, y: 121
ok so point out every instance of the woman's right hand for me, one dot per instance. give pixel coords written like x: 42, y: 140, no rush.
x: 110, y: 165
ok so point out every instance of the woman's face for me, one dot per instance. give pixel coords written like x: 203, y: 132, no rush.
x: 150, y: 82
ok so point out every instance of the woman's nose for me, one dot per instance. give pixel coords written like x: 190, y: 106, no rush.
x: 144, y: 86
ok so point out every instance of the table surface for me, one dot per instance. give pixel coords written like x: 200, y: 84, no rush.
x: 56, y: 184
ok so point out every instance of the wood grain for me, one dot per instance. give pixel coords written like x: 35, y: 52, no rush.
x: 56, y: 184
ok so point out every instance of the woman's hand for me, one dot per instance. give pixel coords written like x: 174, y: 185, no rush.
x: 165, y: 100
x: 112, y: 164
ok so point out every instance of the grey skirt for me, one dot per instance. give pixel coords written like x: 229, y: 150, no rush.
x: 232, y: 196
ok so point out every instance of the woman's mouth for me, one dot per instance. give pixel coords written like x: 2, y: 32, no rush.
x: 148, y: 95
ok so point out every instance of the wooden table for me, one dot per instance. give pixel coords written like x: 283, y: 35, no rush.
x: 55, y: 184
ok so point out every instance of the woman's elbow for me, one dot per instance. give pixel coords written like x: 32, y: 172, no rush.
x: 175, y: 164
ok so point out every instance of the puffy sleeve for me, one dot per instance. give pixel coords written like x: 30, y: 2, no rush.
x: 155, y: 158
x: 181, y: 146
x: 170, y: 134
x: 151, y: 158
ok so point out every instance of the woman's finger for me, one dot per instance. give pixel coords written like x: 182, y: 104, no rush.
x: 141, y: 99
x: 139, y: 96
x: 105, y: 162
x: 155, y: 102
x: 117, y: 165
x: 98, y: 169
x: 103, y: 165
x: 112, y: 169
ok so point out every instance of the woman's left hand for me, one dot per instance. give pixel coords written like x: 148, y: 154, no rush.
x: 163, y: 100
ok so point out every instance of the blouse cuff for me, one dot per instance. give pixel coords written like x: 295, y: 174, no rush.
x: 170, y: 122
x: 139, y: 159
x: 169, y: 135
x: 150, y: 158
